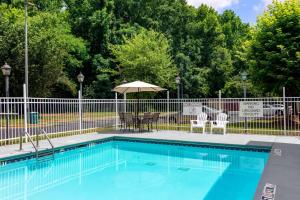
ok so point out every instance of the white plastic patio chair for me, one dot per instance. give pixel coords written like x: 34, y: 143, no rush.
x: 220, y: 123
x: 200, y: 122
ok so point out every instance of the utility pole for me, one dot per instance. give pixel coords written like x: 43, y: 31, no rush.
x: 26, y: 46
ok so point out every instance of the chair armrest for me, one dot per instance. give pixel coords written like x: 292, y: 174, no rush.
x: 193, y: 121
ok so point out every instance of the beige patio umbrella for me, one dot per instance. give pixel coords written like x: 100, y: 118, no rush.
x: 137, y: 86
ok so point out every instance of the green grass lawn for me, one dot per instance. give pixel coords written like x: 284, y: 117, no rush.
x: 258, y: 126
x: 47, y: 119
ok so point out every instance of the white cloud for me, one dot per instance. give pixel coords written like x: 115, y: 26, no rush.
x: 217, y: 4
x: 262, y: 5
x: 267, y: 2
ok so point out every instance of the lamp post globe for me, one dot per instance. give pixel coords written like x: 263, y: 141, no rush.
x: 244, y: 75
x: 6, y: 69
x: 80, y: 78
x: 177, y: 79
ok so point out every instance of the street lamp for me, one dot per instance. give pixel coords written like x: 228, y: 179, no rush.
x: 177, y: 80
x: 244, y: 75
x: 6, y: 69
x: 80, y: 78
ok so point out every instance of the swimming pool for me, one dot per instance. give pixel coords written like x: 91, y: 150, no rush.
x: 127, y: 170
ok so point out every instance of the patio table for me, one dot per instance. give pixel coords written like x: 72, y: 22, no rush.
x: 138, y: 121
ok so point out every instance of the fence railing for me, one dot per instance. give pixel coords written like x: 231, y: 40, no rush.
x: 279, y: 117
x: 62, y: 117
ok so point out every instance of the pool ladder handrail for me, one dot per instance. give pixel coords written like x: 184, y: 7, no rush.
x: 36, y: 146
x: 42, y: 131
x: 31, y: 141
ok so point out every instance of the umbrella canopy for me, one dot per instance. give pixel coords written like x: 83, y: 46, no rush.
x: 137, y: 86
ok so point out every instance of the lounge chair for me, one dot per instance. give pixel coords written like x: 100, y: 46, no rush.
x: 220, y: 123
x: 200, y: 122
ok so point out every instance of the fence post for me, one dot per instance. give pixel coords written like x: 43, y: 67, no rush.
x: 168, y: 110
x: 284, y: 111
x: 80, y: 111
x: 25, y: 118
x: 116, y: 114
x: 220, y: 98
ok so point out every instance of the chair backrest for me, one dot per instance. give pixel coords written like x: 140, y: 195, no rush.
x: 202, y: 117
x: 122, y: 116
x: 147, y: 117
x: 221, y: 118
x: 155, y: 116
x: 128, y: 118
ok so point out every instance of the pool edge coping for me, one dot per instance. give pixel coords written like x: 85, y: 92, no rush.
x: 246, y: 147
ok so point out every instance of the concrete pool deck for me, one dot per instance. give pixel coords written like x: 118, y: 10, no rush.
x: 282, y: 169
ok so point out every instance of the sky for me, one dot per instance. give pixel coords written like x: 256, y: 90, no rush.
x: 248, y: 10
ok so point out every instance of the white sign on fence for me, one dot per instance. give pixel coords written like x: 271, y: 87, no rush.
x: 251, y: 109
x: 192, y: 108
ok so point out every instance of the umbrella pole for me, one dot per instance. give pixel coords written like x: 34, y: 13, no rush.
x: 138, y: 110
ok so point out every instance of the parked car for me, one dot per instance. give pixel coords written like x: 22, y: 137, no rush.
x: 276, y: 109
x: 185, y: 119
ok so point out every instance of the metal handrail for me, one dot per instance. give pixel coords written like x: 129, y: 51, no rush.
x: 48, y: 138
x: 31, y: 141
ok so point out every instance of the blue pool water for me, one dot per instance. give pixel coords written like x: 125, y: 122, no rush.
x: 120, y: 170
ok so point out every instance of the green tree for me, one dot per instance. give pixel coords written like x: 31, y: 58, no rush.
x: 206, y: 47
x: 237, y: 39
x: 275, y: 50
x: 54, y: 52
x: 146, y: 57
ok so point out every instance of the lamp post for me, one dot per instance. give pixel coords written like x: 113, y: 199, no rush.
x: 26, y: 45
x: 244, y: 75
x: 80, y: 78
x: 177, y: 80
x: 6, y: 69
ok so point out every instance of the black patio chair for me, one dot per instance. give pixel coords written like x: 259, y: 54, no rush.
x: 155, y: 118
x: 122, y: 120
x: 129, y: 122
x: 147, y: 118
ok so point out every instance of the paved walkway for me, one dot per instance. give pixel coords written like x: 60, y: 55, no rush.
x: 236, y: 139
